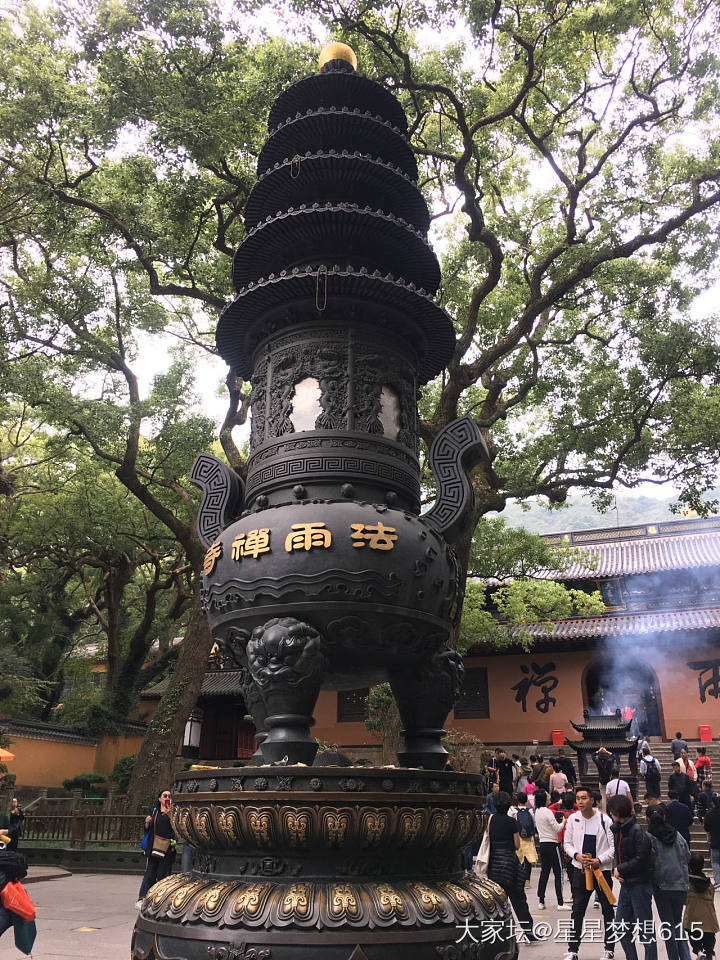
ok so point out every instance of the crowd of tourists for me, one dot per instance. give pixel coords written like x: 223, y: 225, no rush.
x: 540, y: 815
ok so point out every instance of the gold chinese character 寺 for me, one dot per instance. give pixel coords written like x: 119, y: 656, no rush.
x: 251, y: 544
x: 374, y: 535
x: 214, y: 552
x: 305, y: 536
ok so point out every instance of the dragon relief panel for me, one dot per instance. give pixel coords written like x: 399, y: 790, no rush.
x: 323, y: 359
x: 373, y: 372
x: 258, y: 400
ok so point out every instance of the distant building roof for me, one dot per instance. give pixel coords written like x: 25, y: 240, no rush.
x: 647, y: 548
x: 635, y: 624
x: 217, y: 683
x: 35, y: 730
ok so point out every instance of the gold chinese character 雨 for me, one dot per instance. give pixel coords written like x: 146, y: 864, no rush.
x: 374, y: 535
x: 251, y: 544
x: 305, y: 536
x: 214, y: 552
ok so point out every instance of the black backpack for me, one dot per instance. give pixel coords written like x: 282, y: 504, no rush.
x: 652, y: 772
x: 526, y: 824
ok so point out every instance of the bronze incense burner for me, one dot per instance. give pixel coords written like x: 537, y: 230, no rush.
x: 323, y: 573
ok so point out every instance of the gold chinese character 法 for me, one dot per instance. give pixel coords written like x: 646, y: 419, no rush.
x: 307, y: 536
x: 214, y: 552
x: 251, y: 544
x: 374, y: 535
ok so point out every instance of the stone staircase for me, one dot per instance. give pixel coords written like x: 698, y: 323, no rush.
x: 661, y: 751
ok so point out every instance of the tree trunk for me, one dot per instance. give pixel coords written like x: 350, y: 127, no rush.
x: 153, y: 770
x: 122, y: 695
x: 117, y: 579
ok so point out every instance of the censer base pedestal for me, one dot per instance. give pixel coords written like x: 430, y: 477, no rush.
x: 331, y: 863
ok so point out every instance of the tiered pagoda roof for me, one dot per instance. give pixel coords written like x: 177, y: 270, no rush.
x: 606, y: 730
x: 600, y: 727
x: 336, y: 216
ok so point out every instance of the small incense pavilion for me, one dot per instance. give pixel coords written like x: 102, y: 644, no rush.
x: 322, y: 573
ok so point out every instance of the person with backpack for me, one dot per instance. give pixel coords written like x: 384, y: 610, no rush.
x: 703, y: 766
x: 641, y: 745
x: 670, y: 879
x: 634, y: 870
x: 589, y: 844
x: 525, y: 774
x: 527, y: 852
x: 650, y: 771
x: 541, y: 773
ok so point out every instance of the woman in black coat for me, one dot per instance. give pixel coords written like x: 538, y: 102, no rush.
x: 159, y: 863
x: 16, y: 817
x: 503, y: 865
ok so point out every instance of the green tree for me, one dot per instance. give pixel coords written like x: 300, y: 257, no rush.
x: 507, y: 587
x: 85, y: 565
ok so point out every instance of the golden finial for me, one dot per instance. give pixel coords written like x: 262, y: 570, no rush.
x: 337, y: 51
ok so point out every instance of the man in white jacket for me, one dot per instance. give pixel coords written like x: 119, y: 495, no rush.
x: 588, y: 842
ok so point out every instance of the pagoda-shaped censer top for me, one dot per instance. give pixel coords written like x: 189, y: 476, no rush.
x: 336, y: 216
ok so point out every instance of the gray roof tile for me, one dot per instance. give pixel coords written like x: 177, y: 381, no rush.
x: 627, y: 624
x: 646, y: 554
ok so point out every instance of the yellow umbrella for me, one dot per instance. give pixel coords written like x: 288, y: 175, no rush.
x: 6, y: 755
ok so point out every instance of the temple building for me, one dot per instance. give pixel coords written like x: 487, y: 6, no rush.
x: 656, y: 651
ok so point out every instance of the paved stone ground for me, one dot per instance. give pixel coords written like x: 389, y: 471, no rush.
x: 91, y: 916
x: 85, y: 916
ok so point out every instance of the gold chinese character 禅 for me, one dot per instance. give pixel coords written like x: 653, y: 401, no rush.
x: 251, y: 544
x: 306, y: 536
x: 214, y: 552
x: 374, y: 535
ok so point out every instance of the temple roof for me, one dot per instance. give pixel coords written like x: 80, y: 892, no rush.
x: 677, y: 545
x: 216, y: 683
x: 37, y: 730
x: 614, y: 625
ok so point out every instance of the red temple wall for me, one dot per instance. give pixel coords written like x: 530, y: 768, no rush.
x: 679, y: 700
